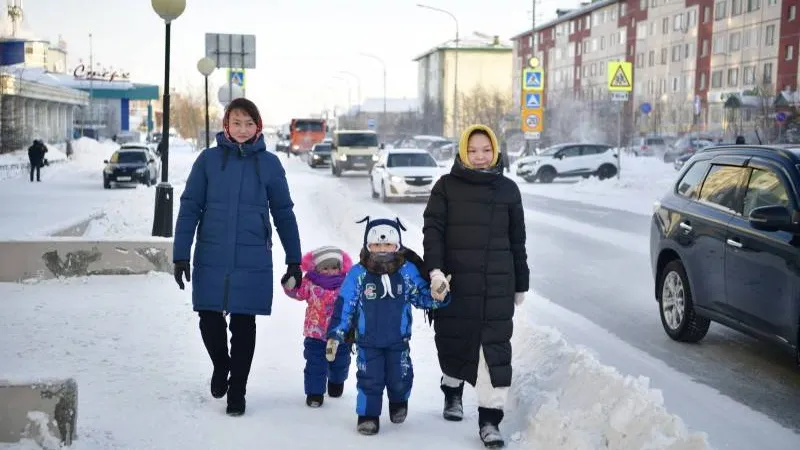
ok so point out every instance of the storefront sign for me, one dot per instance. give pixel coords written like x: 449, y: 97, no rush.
x: 83, y: 73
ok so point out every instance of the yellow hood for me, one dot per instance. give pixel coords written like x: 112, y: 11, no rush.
x: 462, y: 144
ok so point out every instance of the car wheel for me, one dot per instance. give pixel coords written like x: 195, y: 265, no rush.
x: 546, y: 174
x: 529, y: 178
x: 383, y: 196
x: 606, y: 171
x: 676, y: 306
x: 106, y: 183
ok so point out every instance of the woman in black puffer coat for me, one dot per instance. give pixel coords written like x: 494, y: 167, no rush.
x: 475, y: 231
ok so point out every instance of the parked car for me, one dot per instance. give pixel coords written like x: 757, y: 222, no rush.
x: 131, y: 165
x: 320, y: 155
x: 649, y: 146
x: 569, y: 160
x: 403, y: 173
x: 688, y: 145
x: 725, y: 245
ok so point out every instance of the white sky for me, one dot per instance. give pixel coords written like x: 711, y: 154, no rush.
x: 301, y: 44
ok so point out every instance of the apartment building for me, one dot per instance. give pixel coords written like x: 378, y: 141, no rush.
x: 681, y: 51
x: 482, y: 62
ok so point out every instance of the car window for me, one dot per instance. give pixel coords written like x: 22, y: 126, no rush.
x: 689, y: 184
x: 764, y: 188
x: 655, y: 142
x: 411, y: 160
x: 721, y: 185
x: 570, y: 152
x: 128, y: 157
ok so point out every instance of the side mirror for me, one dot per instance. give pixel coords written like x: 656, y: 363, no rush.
x: 382, y: 146
x: 105, y: 161
x: 558, y: 156
x: 771, y: 218
x: 151, y: 160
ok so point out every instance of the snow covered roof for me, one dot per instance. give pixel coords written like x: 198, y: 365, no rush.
x: 474, y: 42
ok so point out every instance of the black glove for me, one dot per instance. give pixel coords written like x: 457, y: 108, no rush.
x: 293, y: 276
x: 181, y: 270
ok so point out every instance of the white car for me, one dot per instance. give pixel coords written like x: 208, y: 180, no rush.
x: 403, y: 173
x: 569, y: 160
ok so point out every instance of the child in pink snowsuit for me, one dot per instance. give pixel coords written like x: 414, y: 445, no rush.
x: 325, y: 269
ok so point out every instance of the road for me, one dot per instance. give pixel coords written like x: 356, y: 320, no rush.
x: 610, y: 283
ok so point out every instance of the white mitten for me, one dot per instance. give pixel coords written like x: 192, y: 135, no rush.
x: 330, y: 349
x: 440, y: 285
x: 519, y: 297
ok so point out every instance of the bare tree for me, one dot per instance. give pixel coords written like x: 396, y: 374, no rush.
x: 487, y: 107
x: 188, y: 112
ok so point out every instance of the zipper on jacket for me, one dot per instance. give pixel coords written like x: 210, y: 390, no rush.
x: 225, y: 294
x: 241, y: 151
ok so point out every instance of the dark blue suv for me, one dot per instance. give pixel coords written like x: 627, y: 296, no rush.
x: 725, y: 245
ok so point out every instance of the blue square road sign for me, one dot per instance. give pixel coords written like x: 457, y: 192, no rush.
x: 533, y: 100
x: 533, y: 80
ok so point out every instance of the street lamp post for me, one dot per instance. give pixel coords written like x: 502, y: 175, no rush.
x: 384, y: 83
x: 168, y: 10
x: 206, y: 66
x: 455, y: 75
x: 358, y: 86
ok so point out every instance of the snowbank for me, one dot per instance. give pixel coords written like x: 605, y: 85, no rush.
x: 643, y: 180
x: 564, y: 398
x: 88, y: 153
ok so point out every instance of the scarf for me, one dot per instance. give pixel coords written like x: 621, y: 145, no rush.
x: 327, y: 282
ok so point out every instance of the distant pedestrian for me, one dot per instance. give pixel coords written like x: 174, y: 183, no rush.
x: 36, y: 158
x: 740, y: 140
x: 231, y: 191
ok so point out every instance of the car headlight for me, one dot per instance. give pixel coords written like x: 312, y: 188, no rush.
x: 296, y: 147
x: 342, y: 157
x: 374, y: 157
x: 396, y: 179
x: 141, y: 170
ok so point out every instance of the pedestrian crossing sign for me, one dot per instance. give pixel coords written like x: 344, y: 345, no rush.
x: 236, y: 77
x: 620, y: 76
x: 533, y: 80
x: 533, y: 100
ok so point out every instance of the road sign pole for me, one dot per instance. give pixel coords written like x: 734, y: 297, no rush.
x: 619, y: 141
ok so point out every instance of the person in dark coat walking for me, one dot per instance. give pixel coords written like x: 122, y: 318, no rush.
x: 504, y: 156
x: 474, y: 230
x: 230, y: 193
x: 36, y: 158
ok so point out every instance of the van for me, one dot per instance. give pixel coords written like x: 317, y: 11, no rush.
x: 354, y: 150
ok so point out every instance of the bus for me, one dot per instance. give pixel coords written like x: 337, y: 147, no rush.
x: 304, y: 133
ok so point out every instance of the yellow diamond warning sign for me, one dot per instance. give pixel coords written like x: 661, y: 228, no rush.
x: 620, y: 76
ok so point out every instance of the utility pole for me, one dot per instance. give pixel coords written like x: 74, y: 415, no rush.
x: 90, y: 72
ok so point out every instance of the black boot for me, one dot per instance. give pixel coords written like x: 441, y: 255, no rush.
x: 335, y: 390
x: 453, y: 408
x: 489, y: 420
x: 243, y: 343
x: 213, y: 329
x: 315, y: 401
x: 368, y: 426
x: 398, y: 411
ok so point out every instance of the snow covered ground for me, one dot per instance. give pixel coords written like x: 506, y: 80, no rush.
x: 132, y: 344
x: 643, y: 180
x: 72, y: 192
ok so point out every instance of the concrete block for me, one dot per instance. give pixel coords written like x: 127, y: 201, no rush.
x: 43, y: 411
x: 71, y: 257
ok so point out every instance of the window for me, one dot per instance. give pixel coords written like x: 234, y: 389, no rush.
x: 772, y: 2
x: 720, y: 11
x: 643, y: 5
x: 753, y: 5
x: 691, y: 18
x: 716, y: 79
x: 675, y: 84
x: 702, y: 81
x: 769, y: 35
x: 602, y: 42
x: 735, y: 42
x: 652, y: 28
x: 749, y: 76
x: 641, y: 31
x: 357, y: 140
x: 704, y: 49
x: 687, y: 51
x: 689, y: 184
x: 792, y: 12
x: 768, y: 73
x: 663, y: 56
x: 688, y: 82
x: 128, y: 157
x: 623, y: 9
x: 570, y: 152
x: 736, y: 8
x: 665, y: 25
x: 676, y: 53
x: 677, y: 22
x: 747, y: 38
x: 651, y: 58
x: 721, y: 185
x: 640, y: 60
x: 789, y: 52
x: 764, y: 188
x: 733, y: 77
x: 719, y: 45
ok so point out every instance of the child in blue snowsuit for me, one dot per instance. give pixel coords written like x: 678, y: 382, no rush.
x: 376, y: 298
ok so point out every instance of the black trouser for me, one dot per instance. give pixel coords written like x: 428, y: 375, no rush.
x: 243, y: 343
x: 38, y: 169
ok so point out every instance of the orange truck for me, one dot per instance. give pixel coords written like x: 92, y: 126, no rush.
x: 304, y: 133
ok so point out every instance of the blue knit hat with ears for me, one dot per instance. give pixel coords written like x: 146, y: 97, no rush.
x: 383, y: 231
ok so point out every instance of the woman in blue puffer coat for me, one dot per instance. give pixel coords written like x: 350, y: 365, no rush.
x: 230, y: 193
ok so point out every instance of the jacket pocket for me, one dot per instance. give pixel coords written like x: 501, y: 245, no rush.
x: 267, y: 228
